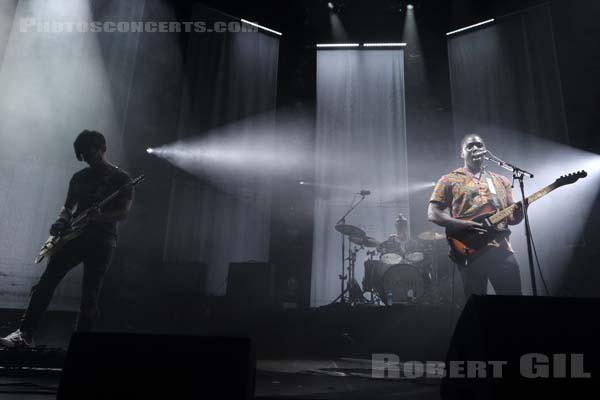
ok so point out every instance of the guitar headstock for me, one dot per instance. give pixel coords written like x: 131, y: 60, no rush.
x: 570, y: 178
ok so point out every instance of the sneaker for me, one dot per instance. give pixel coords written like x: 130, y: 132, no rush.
x: 17, y: 339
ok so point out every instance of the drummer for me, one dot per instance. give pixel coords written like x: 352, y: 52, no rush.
x: 402, y: 233
x: 402, y: 236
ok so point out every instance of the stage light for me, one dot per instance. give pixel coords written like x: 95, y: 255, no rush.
x: 384, y: 45
x: 337, y: 6
x: 301, y: 182
x: 149, y: 150
x: 338, y: 45
x: 470, y: 26
x: 261, y: 27
x: 410, y: 7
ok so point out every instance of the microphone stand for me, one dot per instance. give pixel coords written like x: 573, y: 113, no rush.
x: 343, y: 275
x: 519, y: 174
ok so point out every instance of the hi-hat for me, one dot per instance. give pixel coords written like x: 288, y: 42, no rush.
x: 428, y: 235
x: 350, y: 230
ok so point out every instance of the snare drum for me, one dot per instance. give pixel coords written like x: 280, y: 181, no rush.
x: 391, y: 252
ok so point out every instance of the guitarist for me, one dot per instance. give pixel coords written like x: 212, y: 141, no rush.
x: 96, y: 245
x: 460, y: 194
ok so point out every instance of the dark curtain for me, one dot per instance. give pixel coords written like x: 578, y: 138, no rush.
x: 506, y: 87
x: 505, y: 80
x: 230, y: 78
x: 360, y: 144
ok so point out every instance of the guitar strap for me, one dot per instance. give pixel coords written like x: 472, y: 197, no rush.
x: 493, y: 188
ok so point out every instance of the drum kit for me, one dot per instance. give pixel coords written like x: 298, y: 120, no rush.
x: 395, y: 272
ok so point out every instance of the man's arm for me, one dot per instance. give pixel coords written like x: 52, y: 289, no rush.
x: 439, y: 216
x: 66, y: 213
x: 117, y: 215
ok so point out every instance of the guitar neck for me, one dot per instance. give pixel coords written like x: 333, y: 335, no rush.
x: 507, y: 212
x: 109, y: 198
x: 83, y: 215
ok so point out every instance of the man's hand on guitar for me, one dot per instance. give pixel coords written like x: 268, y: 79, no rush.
x: 517, y: 215
x: 93, y: 213
x: 58, y: 227
x: 470, y: 225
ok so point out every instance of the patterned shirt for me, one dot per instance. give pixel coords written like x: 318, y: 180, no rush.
x: 465, y: 193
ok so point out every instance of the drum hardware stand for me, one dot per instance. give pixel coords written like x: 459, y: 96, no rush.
x: 371, y: 254
x: 345, y: 286
x: 351, y: 286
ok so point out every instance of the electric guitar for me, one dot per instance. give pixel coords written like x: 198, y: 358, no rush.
x: 466, y: 244
x: 76, y: 227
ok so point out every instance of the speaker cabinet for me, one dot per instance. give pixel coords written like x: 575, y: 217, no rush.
x: 250, y: 282
x: 514, y: 346
x: 119, y: 366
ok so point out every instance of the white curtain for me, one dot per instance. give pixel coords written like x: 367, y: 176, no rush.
x: 361, y: 144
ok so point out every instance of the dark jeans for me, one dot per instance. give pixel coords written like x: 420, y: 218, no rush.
x: 499, y: 266
x: 95, y: 255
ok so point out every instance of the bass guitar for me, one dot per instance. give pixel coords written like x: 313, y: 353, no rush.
x: 76, y: 227
x: 465, y: 245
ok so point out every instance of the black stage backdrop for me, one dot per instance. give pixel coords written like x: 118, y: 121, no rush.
x: 506, y: 86
x: 230, y: 86
x: 361, y: 144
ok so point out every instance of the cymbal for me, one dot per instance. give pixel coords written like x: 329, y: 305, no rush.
x: 366, y: 241
x: 350, y: 230
x: 428, y: 235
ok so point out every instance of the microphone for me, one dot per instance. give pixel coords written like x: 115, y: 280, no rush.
x: 487, y: 155
x: 364, y: 192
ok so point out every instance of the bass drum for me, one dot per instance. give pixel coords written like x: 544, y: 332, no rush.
x: 374, y: 271
x: 405, y: 283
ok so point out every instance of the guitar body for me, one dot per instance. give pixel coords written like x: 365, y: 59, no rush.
x: 54, y: 243
x: 465, y: 245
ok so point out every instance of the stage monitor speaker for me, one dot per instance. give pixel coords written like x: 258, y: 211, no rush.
x: 184, y: 278
x: 250, y: 282
x: 119, y: 366
x: 520, y: 346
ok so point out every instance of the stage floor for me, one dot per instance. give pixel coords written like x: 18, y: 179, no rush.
x: 291, y: 379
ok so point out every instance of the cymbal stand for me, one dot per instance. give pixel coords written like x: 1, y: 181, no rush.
x: 371, y: 254
x: 351, y: 286
x: 346, y: 286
